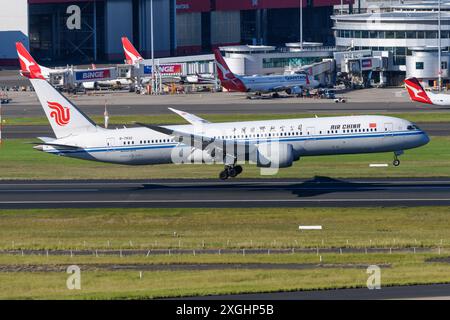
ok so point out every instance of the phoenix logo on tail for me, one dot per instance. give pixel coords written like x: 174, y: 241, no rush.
x: 59, y: 113
x: 416, y: 92
x: 131, y: 54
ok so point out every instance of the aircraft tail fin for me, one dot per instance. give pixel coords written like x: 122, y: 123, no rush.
x: 227, y: 78
x: 416, y: 91
x: 28, y: 66
x: 132, y: 56
x: 64, y: 117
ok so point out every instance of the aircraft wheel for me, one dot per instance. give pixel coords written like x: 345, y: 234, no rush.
x: 232, y: 172
x: 223, y: 175
x: 238, y: 170
x: 396, y: 163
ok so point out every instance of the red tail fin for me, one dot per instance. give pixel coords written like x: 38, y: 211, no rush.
x: 227, y: 78
x: 29, y: 67
x: 132, y: 56
x: 416, y: 92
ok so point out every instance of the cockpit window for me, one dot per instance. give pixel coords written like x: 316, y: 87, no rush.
x: 413, y: 127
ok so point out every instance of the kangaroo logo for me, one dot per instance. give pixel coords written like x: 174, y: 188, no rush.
x: 59, y: 113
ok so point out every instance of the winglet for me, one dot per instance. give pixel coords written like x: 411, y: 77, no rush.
x: 191, y: 118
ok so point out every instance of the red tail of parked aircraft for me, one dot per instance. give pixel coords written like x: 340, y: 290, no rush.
x: 131, y: 54
x: 227, y: 78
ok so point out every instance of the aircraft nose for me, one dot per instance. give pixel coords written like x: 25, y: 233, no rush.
x: 424, y: 139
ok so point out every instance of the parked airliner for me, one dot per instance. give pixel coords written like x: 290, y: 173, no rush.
x: 269, y: 143
x: 417, y: 93
x: 291, y: 84
x: 28, y: 64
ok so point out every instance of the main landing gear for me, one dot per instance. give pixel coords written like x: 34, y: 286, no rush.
x: 230, y: 172
x: 396, y: 161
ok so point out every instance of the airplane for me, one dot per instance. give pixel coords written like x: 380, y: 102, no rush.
x: 417, y: 93
x: 291, y: 84
x: 132, y: 56
x: 28, y: 65
x: 270, y: 144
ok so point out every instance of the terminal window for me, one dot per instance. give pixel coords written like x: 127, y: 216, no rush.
x: 419, y: 65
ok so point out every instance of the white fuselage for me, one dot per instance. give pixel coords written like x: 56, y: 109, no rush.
x: 276, y: 83
x: 309, y: 137
x: 439, y: 99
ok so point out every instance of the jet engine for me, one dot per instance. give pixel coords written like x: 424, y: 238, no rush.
x: 294, y: 90
x: 275, y: 155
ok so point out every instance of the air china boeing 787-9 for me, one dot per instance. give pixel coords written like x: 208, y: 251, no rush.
x: 269, y: 143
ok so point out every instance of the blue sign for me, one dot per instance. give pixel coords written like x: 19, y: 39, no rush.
x: 90, y: 75
x: 147, y: 69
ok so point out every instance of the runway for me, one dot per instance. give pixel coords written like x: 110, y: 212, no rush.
x: 31, y: 132
x: 431, y: 291
x: 209, y: 193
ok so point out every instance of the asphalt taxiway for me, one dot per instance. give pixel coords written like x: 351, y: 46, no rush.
x: 211, y: 193
x: 431, y: 291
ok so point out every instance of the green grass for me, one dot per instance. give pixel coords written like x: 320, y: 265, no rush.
x: 217, y: 228
x: 174, y: 119
x: 20, y: 161
x: 405, y: 269
x: 223, y: 228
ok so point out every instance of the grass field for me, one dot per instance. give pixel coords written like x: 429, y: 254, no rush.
x: 20, y: 161
x: 175, y: 119
x: 223, y: 228
x: 216, y: 228
x: 96, y: 284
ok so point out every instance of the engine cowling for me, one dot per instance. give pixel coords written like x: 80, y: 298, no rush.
x: 294, y: 90
x: 275, y: 155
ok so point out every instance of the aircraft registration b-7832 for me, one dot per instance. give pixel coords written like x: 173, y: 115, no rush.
x: 269, y: 143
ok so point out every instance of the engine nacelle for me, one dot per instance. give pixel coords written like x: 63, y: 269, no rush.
x: 294, y: 90
x: 275, y: 155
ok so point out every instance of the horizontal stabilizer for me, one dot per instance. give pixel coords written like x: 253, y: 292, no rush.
x: 46, y: 139
x: 56, y: 145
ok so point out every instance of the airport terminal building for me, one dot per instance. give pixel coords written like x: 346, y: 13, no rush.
x: 406, y: 34
x: 83, y: 31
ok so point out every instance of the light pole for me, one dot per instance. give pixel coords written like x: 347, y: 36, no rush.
x: 301, y: 24
x: 439, y: 47
x: 152, y: 48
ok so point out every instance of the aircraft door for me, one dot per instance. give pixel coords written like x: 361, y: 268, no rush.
x: 388, y: 129
x: 110, y: 143
x: 311, y: 131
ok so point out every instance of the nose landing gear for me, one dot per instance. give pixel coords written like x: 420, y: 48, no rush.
x: 230, y: 172
x: 396, y: 161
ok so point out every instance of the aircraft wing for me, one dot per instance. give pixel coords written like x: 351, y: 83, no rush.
x: 189, y: 117
x: 209, y: 144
